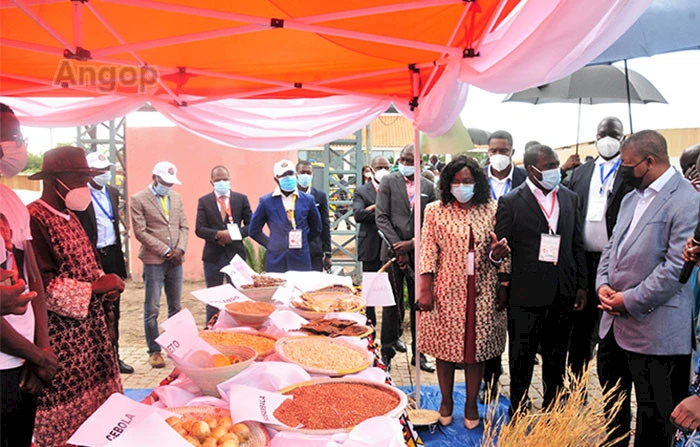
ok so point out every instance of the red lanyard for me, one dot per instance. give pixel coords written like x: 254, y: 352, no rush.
x: 548, y: 215
x: 225, y: 206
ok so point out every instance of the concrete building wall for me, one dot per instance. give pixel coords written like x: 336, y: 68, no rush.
x: 251, y: 174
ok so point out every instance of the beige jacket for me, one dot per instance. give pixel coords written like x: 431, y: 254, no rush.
x: 156, y: 232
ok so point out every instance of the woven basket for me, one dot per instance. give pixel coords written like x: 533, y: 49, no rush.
x: 313, y: 315
x: 208, y: 378
x: 258, y: 433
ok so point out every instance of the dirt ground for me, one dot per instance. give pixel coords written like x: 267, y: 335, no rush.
x: 131, y: 319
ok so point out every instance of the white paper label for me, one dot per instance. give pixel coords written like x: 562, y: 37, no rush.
x: 549, y: 248
x: 181, y: 337
x: 376, y: 289
x: 253, y: 404
x: 116, y: 417
x: 295, y: 239
x: 240, y: 273
x: 152, y: 432
x: 596, y: 207
x: 234, y: 231
x: 219, y: 296
x: 470, y: 263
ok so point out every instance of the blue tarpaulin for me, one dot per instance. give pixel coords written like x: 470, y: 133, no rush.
x: 454, y: 435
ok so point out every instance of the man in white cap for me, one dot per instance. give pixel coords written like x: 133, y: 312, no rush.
x: 159, y: 224
x: 101, y: 223
x: 292, y: 218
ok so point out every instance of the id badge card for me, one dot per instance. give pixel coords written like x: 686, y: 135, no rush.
x: 596, y: 207
x: 549, y: 248
x: 234, y: 231
x: 295, y: 239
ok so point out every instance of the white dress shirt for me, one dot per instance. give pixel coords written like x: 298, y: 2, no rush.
x: 498, y: 186
x: 545, y: 202
x: 645, y: 198
x: 595, y: 231
x: 105, y: 226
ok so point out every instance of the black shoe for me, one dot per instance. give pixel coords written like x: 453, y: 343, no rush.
x: 124, y: 368
x: 400, y: 346
x: 387, y: 362
x: 425, y: 365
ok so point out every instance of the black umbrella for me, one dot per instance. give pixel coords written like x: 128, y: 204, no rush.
x: 599, y: 84
x: 479, y: 137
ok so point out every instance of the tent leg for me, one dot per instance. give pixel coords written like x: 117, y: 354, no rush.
x: 629, y: 102
x: 416, y: 237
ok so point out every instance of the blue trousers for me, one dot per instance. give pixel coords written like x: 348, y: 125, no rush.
x: 155, y: 278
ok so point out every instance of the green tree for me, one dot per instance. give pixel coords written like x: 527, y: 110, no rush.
x: 33, y: 163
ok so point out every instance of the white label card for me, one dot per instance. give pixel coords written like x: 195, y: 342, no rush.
x: 181, y: 337
x: 240, y: 273
x: 549, y: 248
x: 253, y: 404
x: 152, y: 432
x: 219, y: 296
x: 295, y: 239
x: 376, y: 289
x: 116, y: 417
x: 234, y: 231
x: 596, y: 207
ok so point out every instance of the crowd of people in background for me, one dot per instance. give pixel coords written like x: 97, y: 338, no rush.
x: 552, y: 260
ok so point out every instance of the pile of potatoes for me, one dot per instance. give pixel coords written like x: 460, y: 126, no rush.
x: 211, y: 431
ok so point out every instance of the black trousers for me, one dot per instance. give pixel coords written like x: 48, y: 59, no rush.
x: 392, y: 317
x: 371, y: 266
x: 529, y: 327
x: 317, y: 262
x: 660, y: 383
x: 584, y: 324
x: 17, y: 412
x: 109, y: 256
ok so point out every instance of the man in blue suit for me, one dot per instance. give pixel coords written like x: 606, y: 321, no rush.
x: 292, y: 219
x: 646, y: 328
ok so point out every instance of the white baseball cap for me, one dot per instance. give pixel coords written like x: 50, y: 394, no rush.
x: 98, y: 160
x: 283, y: 166
x: 167, y: 171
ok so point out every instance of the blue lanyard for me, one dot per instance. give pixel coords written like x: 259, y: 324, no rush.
x: 110, y: 214
x: 493, y: 193
x: 605, y: 179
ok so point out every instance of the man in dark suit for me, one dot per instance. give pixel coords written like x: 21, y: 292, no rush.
x: 503, y: 177
x: 394, y: 218
x: 320, y: 246
x: 542, y: 223
x: 363, y: 209
x: 600, y: 192
x: 101, y: 223
x: 223, y: 217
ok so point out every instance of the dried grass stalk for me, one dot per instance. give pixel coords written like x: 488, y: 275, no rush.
x: 569, y: 422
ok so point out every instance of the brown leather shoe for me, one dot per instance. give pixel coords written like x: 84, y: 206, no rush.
x: 156, y: 360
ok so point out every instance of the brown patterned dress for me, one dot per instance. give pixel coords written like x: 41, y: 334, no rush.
x: 88, y: 373
x: 444, y: 248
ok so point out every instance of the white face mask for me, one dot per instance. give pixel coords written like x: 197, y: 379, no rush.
x: 103, y: 179
x: 608, y: 147
x: 13, y: 159
x: 379, y: 175
x: 77, y: 199
x: 499, y: 162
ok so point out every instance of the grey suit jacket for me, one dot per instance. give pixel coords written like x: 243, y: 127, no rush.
x: 646, y: 270
x: 153, y: 230
x: 394, y: 215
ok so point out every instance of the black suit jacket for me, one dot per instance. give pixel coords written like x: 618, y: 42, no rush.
x: 580, y: 181
x: 322, y: 243
x: 209, y: 221
x: 520, y: 220
x: 89, y: 222
x: 369, y: 243
x: 519, y: 175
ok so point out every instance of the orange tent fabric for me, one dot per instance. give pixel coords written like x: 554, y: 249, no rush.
x: 214, y: 49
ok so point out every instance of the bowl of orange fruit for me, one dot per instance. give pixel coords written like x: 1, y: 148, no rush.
x: 208, y: 370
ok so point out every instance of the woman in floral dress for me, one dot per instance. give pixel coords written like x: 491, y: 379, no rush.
x: 76, y: 288
x: 460, y: 320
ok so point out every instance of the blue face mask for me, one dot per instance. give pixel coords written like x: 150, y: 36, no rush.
x: 222, y: 187
x: 304, y: 180
x: 550, y: 178
x: 462, y: 193
x: 288, y: 183
x: 161, y: 190
x: 406, y: 171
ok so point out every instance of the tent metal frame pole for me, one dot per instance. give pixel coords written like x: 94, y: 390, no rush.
x: 578, y: 125
x: 491, y: 24
x: 416, y: 249
x: 77, y: 24
x: 5, y: 4
x: 42, y: 23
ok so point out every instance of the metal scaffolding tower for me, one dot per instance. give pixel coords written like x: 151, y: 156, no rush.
x: 109, y: 138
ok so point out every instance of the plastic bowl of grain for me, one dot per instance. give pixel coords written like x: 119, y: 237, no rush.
x: 250, y: 313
